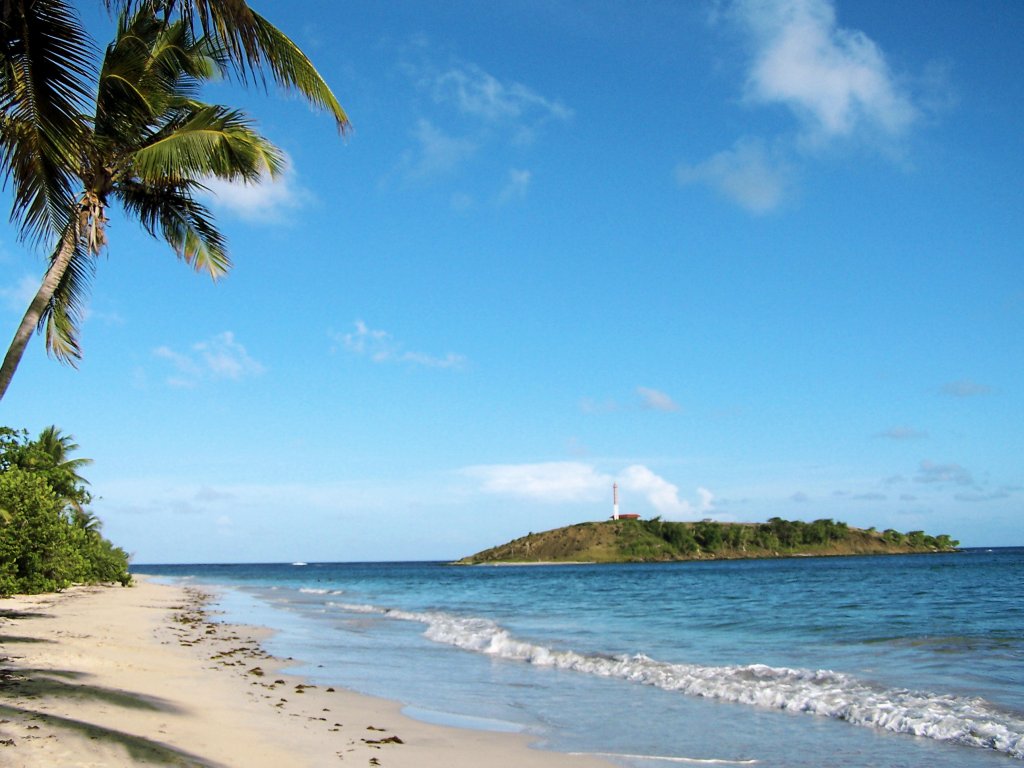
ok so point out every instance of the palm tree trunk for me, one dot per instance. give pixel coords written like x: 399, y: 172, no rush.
x: 30, y: 321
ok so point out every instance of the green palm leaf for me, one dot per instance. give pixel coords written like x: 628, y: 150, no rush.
x: 170, y: 211
x: 292, y: 69
x: 211, y: 141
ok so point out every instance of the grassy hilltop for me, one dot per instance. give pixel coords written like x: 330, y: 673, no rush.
x: 637, y: 541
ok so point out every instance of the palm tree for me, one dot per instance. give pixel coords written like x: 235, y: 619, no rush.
x: 59, y: 447
x: 149, y: 142
x: 88, y: 522
x: 50, y: 453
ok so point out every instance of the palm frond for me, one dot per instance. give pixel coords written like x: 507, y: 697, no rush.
x: 292, y: 69
x: 170, y: 211
x: 150, y: 68
x: 210, y: 141
x: 253, y: 46
x: 47, y: 63
x: 62, y: 319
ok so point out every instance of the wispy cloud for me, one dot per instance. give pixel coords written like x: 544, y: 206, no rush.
x: 469, y: 112
x: 476, y: 92
x: 902, y: 433
x: 268, y: 201
x: 516, y: 185
x: 575, y: 481
x: 872, y: 496
x: 591, y: 405
x: 931, y: 472
x: 16, y: 297
x: 983, y: 496
x: 436, y: 153
x: 647, y: 399
x: 748, y: 174
x: 965, y: 388
x: 220, y: 357
x: 655, y: 400
x: 381, y: 347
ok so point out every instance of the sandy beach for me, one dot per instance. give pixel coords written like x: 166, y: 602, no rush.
x: 108, y: 676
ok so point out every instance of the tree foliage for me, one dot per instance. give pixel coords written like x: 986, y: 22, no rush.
x: 782, y: 536
x: 48, y: 540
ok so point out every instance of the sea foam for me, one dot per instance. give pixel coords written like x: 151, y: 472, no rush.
x: 961, y: 720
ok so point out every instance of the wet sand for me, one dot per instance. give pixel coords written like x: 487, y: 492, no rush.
x: 108, y: 676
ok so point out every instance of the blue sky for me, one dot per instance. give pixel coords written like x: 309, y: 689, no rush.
x: 745, y: 259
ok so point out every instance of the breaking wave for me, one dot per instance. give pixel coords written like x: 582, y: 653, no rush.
x: 961, y: 720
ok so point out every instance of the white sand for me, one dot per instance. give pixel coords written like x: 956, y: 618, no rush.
x: 106, y: 676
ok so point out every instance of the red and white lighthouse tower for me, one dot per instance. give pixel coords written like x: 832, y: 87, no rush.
x: 615, y: 501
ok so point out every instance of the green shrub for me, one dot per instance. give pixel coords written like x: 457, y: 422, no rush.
x: 47, y: 539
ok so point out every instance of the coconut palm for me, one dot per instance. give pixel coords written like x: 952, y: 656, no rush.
x: 148, y: 143
x: 50, y: 453
x: 59, y: 447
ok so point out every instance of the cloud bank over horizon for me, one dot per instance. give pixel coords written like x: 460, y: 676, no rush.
x: 573, y: 481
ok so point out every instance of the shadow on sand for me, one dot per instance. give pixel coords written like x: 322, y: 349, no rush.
x: 21, y: 687
x: 141, y: 750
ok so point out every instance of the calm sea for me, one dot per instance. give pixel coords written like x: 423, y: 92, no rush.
x: 859, y: 661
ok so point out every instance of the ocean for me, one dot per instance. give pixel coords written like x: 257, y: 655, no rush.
x: 906, y: 660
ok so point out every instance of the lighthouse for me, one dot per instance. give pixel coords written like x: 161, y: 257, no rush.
x: 615, y: 501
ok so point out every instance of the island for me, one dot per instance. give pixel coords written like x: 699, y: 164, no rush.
x: 656, y: 540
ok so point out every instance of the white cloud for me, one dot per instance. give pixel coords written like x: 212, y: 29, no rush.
x: 381, y: 347
x: 574, y: 481
x: 556, y: 481
x: 269, y: 200
x: 835, y: 81
x: 748, y: 174
x: 220, y: 357
x: 516, y: 185
x: 662, y: 495
x: 655, y: 400
x: 707, y: 500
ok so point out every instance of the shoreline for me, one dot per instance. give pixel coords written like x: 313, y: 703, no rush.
x: 112, y: 676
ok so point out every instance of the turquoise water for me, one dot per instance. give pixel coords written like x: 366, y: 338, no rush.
x: 860, y: 661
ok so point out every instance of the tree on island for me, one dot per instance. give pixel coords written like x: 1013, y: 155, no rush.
x: 145, y: 140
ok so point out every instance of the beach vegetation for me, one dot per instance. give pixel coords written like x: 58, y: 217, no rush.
x: 80, y: 134
x: 48, y: 539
